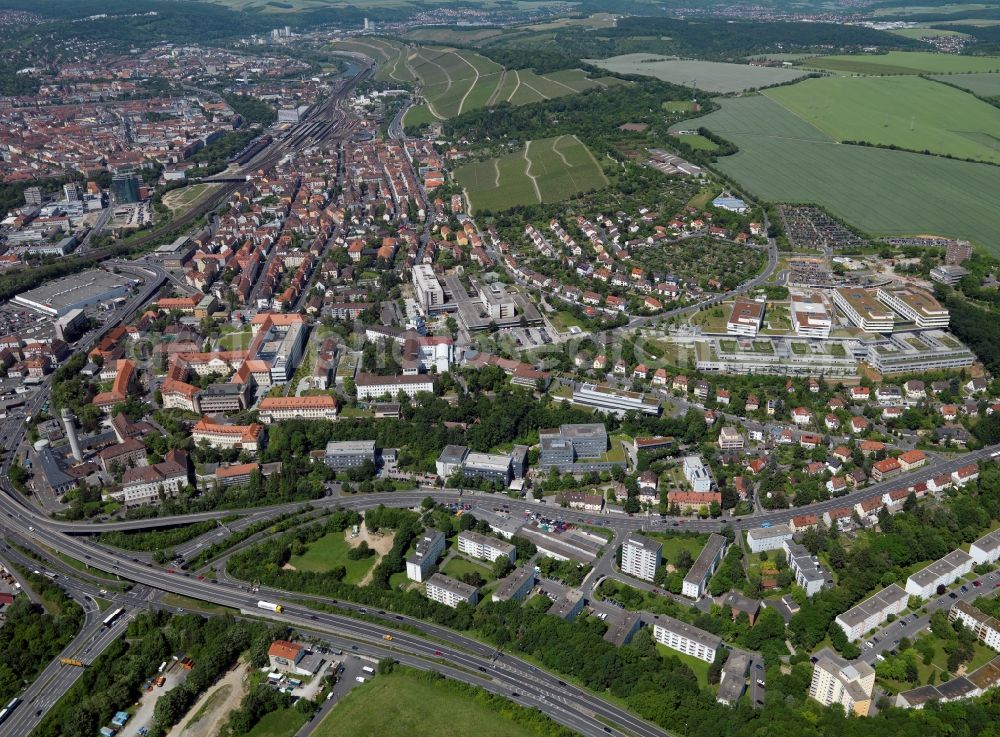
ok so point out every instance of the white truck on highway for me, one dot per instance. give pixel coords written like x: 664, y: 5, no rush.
x: 271, y: 607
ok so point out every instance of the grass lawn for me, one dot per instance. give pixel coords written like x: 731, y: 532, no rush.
x: 699, y: 667
x: 458, y: 567
x: 184, y: 602
x: 402, y: 703
x: 329, y: 552
x: 564, y: 320
x: 281, y: 723
x: 712, y: 320
x: 674, y: 545
x: 698, y: 142
x: 235, y: 341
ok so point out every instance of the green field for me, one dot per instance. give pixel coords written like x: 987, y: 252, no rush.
x: 711, y: 76
x: 458, y: 567
x: 281, y: 723
x: 906, y: 62
x: 454, y: 81
x: 548, y: 170
x: 699, y: 143
x: 925, y: 32
x: 403, y: 703
x: 908, y: 112
x: 698, y: 667
x: 782, y: 158
x: 984, y: 84
x: 329, y: 552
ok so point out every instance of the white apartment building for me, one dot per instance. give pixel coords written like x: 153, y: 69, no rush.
x: 745, y: 318
x: 641, y: 557
x: 686, y: 639
x: 704, y: 566
x: 430, y: 295
x: 945, y: 571
x: 986, y: 549
x: 370, y: 386
x: 760, y: 539
x: 484, y: 547
x: 730, y: 438
x: 872, y: 612
x: 863, y: 310
x: 916, y: 306
x: 697, y: 474
x: 425, y: 555
x: 446, y: 590
x: 838, y: 681
x: 982, y: 625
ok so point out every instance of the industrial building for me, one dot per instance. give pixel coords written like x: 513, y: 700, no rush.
x: 57, y: 297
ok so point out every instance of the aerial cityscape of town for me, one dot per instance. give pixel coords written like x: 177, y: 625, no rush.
x: 507, y: 369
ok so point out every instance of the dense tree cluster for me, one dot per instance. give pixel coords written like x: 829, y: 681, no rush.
x: 32, y: 635
x: 115, y: 680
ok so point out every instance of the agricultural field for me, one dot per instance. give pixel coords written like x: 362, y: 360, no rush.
x: 924, y: 32
x: 390, y: 56
x: 906, y: 62
x: 984, y: 84
x: 906, y: 111
x: 547, y: 170
x: 711, y: 76
x: 464, y: 36
x: 782, y: 158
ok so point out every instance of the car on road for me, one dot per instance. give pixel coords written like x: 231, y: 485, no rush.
x: 952, y: 595
x: 760, y: 682
x: 387, y: 637
x: 977, y: 583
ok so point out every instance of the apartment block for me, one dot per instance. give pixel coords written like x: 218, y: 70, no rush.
x: 760, y: 539
x: 872, y: 612
x: 697, y: 474
x: 686, y: 639
x: 809, y: 573
x: 516, y: 586
x: 986, y: 549
x: 450, y: 592
x: 838, y: 681
x: 428, y: 549
x: 484, y: 547
x: 430, y: 294
x: 945, y: 571
x: 641, y: 557
x: 982, y: 625
x: 704, y: 566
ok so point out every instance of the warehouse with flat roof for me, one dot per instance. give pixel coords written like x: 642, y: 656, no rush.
x: 56, y: 298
